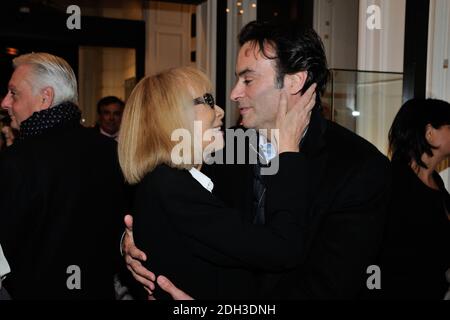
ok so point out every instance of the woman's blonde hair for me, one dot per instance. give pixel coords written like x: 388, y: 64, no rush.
x: 157, y: 106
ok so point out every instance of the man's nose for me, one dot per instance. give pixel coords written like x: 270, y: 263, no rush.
x: 237, y: 92
x: 6, y: 102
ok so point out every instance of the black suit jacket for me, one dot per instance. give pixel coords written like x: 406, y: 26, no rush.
x: 348, y: 187
x: 61, y: 205
x: 208, y: 249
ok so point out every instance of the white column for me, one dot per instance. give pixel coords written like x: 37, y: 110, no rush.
x: 207, y: 38
x: 379, y: 49
x: 438, y: 81
x: 382, y: 49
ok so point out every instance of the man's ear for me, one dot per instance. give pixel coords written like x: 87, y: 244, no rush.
x: 47, y: 97
x: 295, y: 82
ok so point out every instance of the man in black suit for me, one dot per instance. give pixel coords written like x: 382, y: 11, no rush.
x: 349, y: 184
x: 56, y: 176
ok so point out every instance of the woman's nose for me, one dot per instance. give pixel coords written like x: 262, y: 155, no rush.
x: 219, y: 112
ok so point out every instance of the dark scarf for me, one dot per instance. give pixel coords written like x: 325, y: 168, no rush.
x: 57, y: 116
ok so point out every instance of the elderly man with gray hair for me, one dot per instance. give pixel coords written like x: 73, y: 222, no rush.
x: 56, y: 176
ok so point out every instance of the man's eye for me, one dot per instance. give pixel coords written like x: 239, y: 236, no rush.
x: 247, y: 82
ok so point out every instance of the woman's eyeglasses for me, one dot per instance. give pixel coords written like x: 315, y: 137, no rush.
x: 206, y: 99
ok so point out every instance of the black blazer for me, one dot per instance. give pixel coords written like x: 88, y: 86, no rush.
x: 348, y: 190
x: 416, y: 248
x: 207, y: 249
x: 61, y: 205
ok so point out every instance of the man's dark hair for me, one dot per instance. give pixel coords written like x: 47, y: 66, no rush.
x: 107, y: 101
x: 407, y: 140
x: 296, y: 49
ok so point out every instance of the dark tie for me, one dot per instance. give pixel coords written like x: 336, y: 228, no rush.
x: 259, y: 195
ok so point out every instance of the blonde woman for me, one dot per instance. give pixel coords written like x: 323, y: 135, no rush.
x: 191, y: 236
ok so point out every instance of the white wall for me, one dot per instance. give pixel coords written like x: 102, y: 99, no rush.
x: 438, y: 76
x: 206, y: 38
x: 382, y: 50
x: 379, y: 97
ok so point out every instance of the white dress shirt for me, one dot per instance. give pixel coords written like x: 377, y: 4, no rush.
x: 268, y: 149
x: 112, y: 136
x: 202, y: 179
x: 4, y: 266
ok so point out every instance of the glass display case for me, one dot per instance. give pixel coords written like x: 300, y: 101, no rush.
x: 365, y: 102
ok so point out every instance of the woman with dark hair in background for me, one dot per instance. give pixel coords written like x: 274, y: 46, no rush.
x: 416, y: 250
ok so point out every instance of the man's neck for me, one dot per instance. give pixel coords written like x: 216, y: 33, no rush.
x: 108, y: 134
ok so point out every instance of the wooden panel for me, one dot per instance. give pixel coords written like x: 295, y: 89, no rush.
x: 169, y: 14
x: 169, y: 37
x: 169, y: 50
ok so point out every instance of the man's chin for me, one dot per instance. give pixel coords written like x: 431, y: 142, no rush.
x: 248, y: 124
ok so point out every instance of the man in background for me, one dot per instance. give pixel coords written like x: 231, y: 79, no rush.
x: 109, y: 110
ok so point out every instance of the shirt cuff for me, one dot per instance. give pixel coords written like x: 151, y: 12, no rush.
x: 121, y: 243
